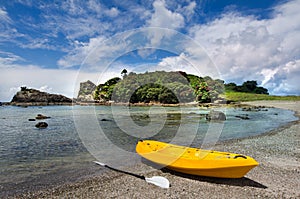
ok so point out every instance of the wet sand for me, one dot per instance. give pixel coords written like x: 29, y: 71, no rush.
x: 277, y: 176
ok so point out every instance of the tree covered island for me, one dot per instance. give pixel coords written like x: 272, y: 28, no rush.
x: 162, y: 87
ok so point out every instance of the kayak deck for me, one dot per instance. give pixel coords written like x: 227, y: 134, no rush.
x: 196, y: 161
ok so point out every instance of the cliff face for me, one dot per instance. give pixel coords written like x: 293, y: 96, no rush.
x: 35, y: 97
x: 86, y: 91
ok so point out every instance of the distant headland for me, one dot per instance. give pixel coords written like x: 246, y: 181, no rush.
x: 32, y: 97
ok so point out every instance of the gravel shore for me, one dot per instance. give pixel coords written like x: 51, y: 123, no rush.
x: 277, y: 176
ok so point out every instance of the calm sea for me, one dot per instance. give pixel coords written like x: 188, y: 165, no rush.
x: 32, y: 158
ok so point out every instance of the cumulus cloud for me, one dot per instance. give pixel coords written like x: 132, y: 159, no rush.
x: 245, y: 47
x: 163, y: 18
x: 200, y: 65
x: 285, y: 79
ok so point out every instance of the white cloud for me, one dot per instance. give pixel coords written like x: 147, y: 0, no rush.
x: 95, y: 54
x: 286, y: 79
x: 59, y: 81
x: 4, y: 18
x: 74, y: 7
x: 246, y: 48
x: 39, y: 43
x: 14, y: 74
x: 113, y: 12
x: 163, y: 18
x: 7, y: 31
x: 188, y: 10
x: 177, y: 63
x: 8, y: 59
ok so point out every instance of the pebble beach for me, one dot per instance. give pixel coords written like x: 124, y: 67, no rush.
x: 277, y: 176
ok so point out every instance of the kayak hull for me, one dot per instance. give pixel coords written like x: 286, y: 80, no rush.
x: 196, y: 161
x: 216, y: 173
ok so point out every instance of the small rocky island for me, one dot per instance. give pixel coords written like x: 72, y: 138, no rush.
x: 32, y: 97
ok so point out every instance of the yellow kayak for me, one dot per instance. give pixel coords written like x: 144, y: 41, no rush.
x: 196, y: 161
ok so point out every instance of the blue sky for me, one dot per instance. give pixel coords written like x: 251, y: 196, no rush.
x: 54, y: 45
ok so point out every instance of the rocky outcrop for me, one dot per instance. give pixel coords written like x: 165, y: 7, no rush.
x: 30, y: 97
x: 86, y: 91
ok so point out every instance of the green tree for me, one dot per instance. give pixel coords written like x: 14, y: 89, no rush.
x: 104, y: 91
x: 124, y: 73
x: 249, y: 86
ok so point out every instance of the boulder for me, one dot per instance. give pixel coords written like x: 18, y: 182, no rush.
x: 41, y: 117
x: 215, y: 116
x: 41, y: 125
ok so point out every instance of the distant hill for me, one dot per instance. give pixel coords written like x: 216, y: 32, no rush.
x: 29, y: 96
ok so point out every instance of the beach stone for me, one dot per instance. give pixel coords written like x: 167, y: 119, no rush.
x: 215, y: 115
x: 41, y: 125
x: 31, y: 119
x: 41, y: 117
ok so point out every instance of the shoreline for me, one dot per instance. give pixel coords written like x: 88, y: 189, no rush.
x: 277, y: 151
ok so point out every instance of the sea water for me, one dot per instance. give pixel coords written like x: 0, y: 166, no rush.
x: 32, y: 158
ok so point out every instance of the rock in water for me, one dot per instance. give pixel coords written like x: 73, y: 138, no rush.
x: 215, y: 116
x: 41, y: 125
x: 243, y: 117
x: 41, y: 117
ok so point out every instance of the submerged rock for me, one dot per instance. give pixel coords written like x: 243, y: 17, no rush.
x: 254, y: 108
x: 105, y: 120
x: 243, y: 117
x: 41, y: 125
x: 215, y: 116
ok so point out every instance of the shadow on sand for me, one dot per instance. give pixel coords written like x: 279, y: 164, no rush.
x: 240, y: 182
